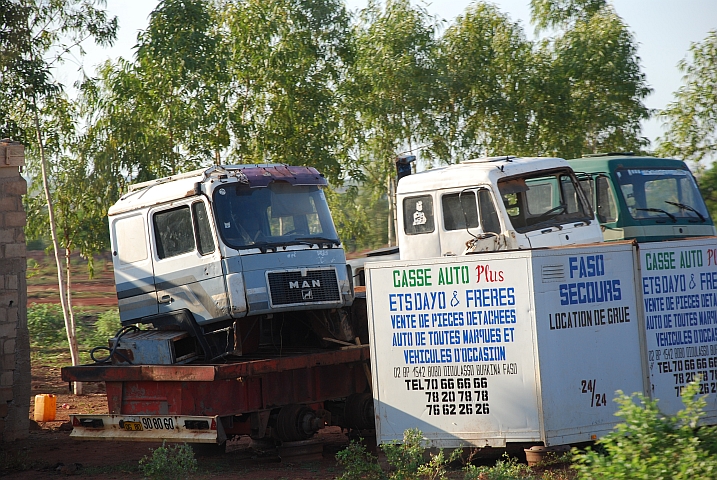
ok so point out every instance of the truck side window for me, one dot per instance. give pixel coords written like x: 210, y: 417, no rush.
x: 606, y: 207
x: 488, y: 214
x: 205, y: 242
x: 173, y: 232
x: 586, y: 183
x: 418, y: 215
x: 130, y: 234
x: 570, y: 195
x: 459, y: 211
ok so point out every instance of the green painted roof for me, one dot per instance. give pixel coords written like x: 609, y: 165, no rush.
x: 612, y: 162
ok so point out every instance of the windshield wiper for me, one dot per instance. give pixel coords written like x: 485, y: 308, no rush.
x: 659, y: 210
x: 318, y: 240
x: 687, y: 207
x: 266, y: 246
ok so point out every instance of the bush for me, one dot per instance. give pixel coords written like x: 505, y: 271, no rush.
x: 358, y: 463
x: 406, y: 460
x: 46, y: 325
x: 174, y: 461
x: 49, y: 339
x: 106, y: 326
x: 650, y: 445
x: 506, y: 469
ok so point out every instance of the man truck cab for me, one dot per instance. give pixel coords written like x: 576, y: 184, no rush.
x: 233, y: 256
x: 644, y: 198
x: 491, y: 204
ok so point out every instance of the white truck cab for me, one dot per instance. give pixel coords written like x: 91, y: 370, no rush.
x: 492, y: 204
x: 234, y: 255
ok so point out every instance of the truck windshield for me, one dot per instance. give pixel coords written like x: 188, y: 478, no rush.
x: 280, y: 214
x: 540, y: 201
x: 661, y: 194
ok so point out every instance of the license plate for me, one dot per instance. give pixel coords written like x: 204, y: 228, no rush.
x: 133, y: 426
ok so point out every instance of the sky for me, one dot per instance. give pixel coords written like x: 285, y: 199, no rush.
x: 664, y: 30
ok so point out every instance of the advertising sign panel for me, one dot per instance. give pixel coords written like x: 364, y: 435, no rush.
x: 452, y: 349
x: 679, y: 290
x: 588, y: 337
x: 523, y: 346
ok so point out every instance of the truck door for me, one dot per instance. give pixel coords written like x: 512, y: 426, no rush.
x: 418, y: 233
x: 470, y: 215
x: 134, y: 277
x: 187, y: 262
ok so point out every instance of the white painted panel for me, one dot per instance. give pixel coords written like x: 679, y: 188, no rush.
x: 452, y: 349
x: 131, y: 237
x: 588, y: 331
x: 553, y: 344
x: 679, y: 288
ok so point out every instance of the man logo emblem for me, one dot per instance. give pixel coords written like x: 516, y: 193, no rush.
x: 305, y: 284
x: 307, y: 295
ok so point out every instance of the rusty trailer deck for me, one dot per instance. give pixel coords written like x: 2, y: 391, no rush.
x: 173, y: 393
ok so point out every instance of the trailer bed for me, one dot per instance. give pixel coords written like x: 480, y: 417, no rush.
x: 205, y: 403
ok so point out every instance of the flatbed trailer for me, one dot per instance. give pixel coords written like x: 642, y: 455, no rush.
x: 288, y: 396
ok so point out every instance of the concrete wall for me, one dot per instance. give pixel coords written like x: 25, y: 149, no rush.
x: 14, y: 338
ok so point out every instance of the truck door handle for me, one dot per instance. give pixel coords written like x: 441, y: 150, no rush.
x: 165, y: 299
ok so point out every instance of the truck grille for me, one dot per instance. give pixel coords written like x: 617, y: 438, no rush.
x: 318, y: 286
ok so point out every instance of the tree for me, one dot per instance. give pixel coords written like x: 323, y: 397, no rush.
x: 692, y: 118
x: 13, y: 43
x: 591, y: 87
x: 183, y: 81
x: 80, y: 215
x: 288, y: 58
x: 707, y: 181
x: 487, y: 70
x: 46, y: 32
x: 164, y: 112
x: 392, y: 85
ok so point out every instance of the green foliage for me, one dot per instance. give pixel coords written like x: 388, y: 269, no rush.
x: 358, y: 463
x: 487, y: 74
x: 303, y: 82
x: 650, y: 445
x: 46, y: 325
x: 359, y: 216
x: 392, y: 83
x: 506, y: 469
x: 562, y: 13
x: 590, y: 85
x: 707, y: 181
x: 169, y: 462
x: 405, y: 457
x: 287, y: 59
x: 104, y: 328
x: 692, y: 118
x: 47, y: 329
x: 406, y: 460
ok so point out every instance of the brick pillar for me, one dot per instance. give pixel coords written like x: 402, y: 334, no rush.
x: 14, y: 337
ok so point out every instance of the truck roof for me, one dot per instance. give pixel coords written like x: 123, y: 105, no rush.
x: 480, y: 170
x: 167, y: 189
x: 608, y: 163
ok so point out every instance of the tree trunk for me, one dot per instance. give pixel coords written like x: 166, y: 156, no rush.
x: 73, y: 326
x: 69, y: 324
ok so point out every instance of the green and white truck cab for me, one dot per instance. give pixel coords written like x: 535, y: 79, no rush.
x: 644, y: 198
